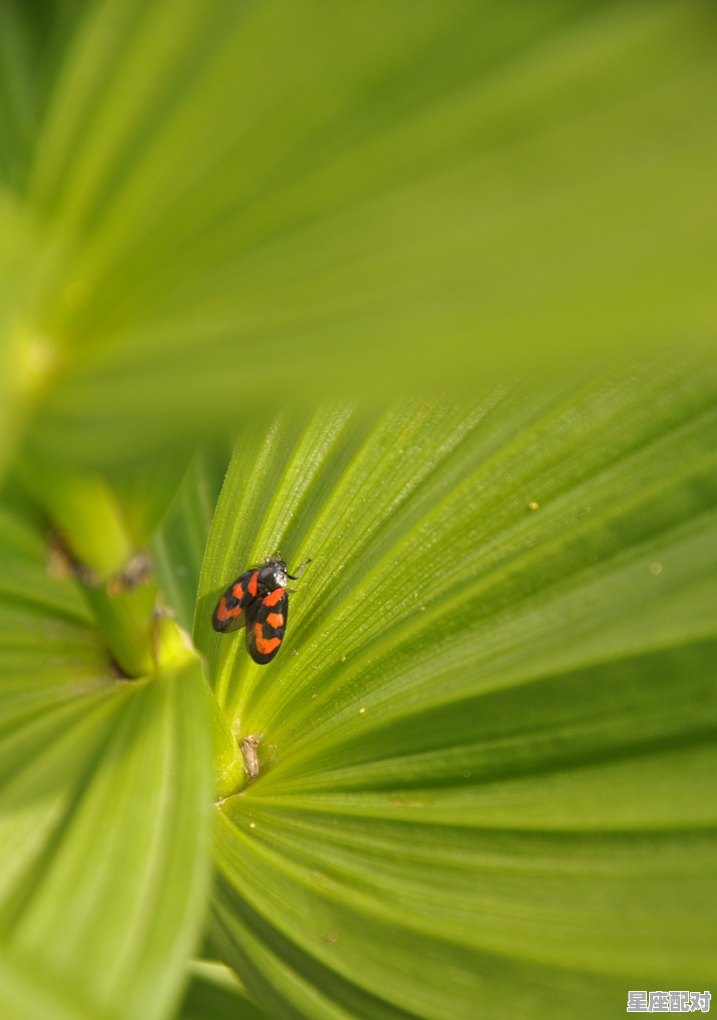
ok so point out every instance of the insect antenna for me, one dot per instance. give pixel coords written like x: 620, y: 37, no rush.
x: 300, y: 571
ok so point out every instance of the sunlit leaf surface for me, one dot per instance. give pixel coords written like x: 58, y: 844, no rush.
x: 487, y: 745
x: 486, y: 748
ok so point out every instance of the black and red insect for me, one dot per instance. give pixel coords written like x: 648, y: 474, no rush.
x: 259, y: 601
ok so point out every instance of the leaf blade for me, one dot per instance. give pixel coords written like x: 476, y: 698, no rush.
x: 508, y: 787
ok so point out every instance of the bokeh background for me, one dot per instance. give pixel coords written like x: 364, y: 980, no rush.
x: 219, y: 207
x: 425, y: 291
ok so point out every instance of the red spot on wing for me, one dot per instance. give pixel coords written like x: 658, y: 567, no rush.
x: 275, y: 620
x: 273, y: 597
x: 253, y: 583
x: 223, y: 611
x: 238, y: 591
x: 265, y: 646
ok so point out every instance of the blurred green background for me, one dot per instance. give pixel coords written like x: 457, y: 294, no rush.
x: 217, y: 207
x: 243, y: 245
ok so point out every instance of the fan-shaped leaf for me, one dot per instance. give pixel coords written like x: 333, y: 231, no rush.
x: 487, y: 745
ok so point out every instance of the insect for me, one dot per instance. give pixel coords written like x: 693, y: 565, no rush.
x: 259, y: 601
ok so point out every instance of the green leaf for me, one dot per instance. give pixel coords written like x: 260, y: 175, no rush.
x: 26, y: 993
x: 215, y: 993
x: 178, y: 546
x: 32, y: 41
x: 228, y: 193
x: 103, y: 811
x: 26, y: 355
x: 487, y: 745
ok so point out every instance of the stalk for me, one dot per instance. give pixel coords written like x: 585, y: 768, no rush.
x: 117, y: 580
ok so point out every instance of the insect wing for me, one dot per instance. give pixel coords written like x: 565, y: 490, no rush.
x: 265, y: 625
x: 230, y: 612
